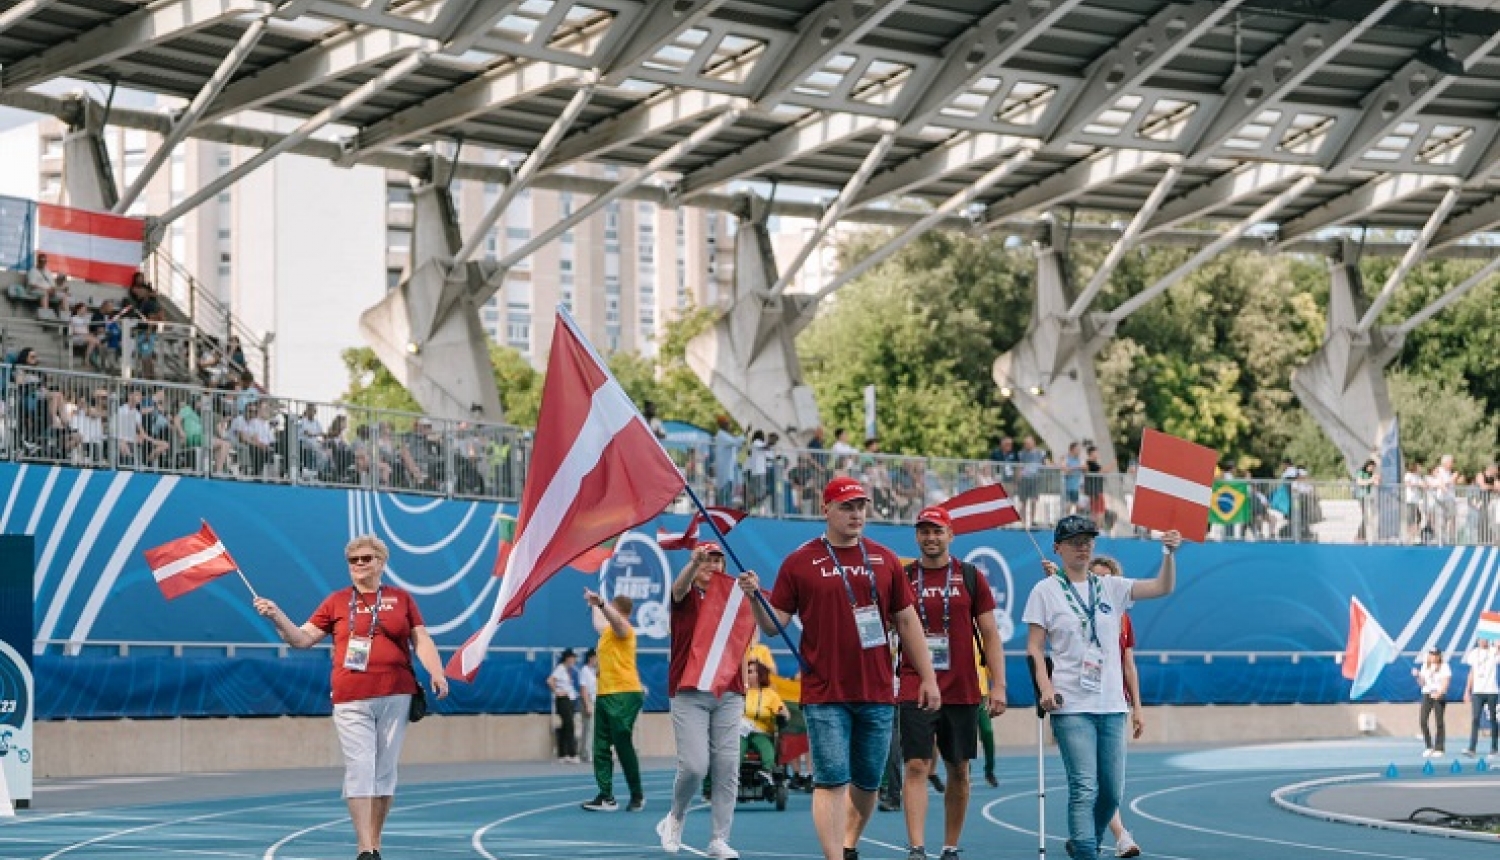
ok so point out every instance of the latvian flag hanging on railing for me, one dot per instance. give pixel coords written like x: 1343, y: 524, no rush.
x: 93, y: 246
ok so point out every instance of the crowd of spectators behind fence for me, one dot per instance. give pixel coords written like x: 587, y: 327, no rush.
x: 228, y: 425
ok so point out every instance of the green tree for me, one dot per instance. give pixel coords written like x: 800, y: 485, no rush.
x: 372, y: 386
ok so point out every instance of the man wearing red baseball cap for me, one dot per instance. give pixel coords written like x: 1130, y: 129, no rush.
x: 706, y: 727
x: 956, y: 608
x: 849, y: 593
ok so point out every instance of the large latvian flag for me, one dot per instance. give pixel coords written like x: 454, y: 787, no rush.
x: 596, y: 471
x: 1173, y: 485
x: 92, y: 246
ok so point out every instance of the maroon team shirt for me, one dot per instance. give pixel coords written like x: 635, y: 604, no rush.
x: 684, y: 622
x: 809, y: 585
x: 390, y: 670
x: 960, y: 684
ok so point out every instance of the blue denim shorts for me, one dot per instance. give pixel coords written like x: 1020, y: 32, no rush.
x: 850, y: 743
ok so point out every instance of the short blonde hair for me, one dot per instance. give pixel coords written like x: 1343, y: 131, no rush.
x: 1109, y: 562
x: 370, y: 542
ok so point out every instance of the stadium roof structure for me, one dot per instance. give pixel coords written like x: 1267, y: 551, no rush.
x: 1315, y: 113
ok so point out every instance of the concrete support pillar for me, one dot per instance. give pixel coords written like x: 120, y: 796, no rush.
x: 88, y: 179
x: 1050, y: 372
x: 1343, y: 384
x: 749, y: 358
x: 427, y: 330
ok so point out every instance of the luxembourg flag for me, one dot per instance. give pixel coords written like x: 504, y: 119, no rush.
x: 1489, y: 626
x: 92, y: 246
x: 723, y: 632
x: 1369, y: 650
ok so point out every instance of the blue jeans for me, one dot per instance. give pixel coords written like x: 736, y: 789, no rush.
x: 1093, y: 754
x: 849, y: 742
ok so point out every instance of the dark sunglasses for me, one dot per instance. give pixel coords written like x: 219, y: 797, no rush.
x: 360, y: 559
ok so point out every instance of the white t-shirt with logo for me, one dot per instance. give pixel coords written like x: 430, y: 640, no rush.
x: 1049, y: 607
x: 1482, y: 664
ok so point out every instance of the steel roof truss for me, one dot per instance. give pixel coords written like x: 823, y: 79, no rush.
x: 835, y: 27
x: 1413, y: 255
x: 127, y: 34
x: 1128, y: 239
x: 1135, y: 59
x: 960, y: 152
x: 1485, y: 216
x: 490, y: 91
x: 1097, y: 171
x: 662, y: 22
x: 649, y: 118
x: 1242, y: 183
x: 835, y: 211
x: 1378, y: 193
x: 1437, y: 305
x: 313, y: 67
x: 980, y: 51
x: 21, y: 11
x: 818, y: 133
x: 1270, y: 79
x: 1408, y: 91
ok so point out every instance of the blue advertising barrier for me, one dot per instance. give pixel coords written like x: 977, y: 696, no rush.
x: 1248, y: 623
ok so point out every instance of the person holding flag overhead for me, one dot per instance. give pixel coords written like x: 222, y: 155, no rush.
x: 375, y: 627
x: 956, y: 607
x: 850, y: 593
x: 705, y: 722
x: 1077, y: 615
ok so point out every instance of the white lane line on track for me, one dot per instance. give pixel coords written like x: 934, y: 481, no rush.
x: 477, y: 839
x: 112, y: 834
x: 987, y: 811
x: 1136, y: 807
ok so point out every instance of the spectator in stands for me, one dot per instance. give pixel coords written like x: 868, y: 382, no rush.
x: 367, y: 460
x: 1032, y: 458
x: 312, y: 440
x: 1414, y: 494
x: 246, y: 391
x: 1441, y: 496
x: 81, y: 338
x: 375, y: 629
x: 57, y: 300
x: 192, y: 422
x: 251, y: 431
x: 39, y: 281
x: 1005, y: 454
x: 88, y: 428
x: 157, y: 414
x: 1365, y: 485
x: 756, y: 466
x: 1093, y: 483
x: 236, y: 354
x: 467, y: 445
x: 1433, y: 676
x: 422, y: 451
x: 340, y: 452
x: 134, y: 445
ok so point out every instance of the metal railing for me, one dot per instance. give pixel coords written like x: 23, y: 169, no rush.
x: 215, y: 323
x: 99, y: 421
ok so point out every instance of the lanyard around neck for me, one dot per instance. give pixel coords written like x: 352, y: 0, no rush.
x: 947, y: 595
x: 374, y: 610
x: 869, y: 571
x: 1086, y: 616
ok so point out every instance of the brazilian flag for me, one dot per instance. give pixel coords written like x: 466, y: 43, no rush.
x: 1229, y: 504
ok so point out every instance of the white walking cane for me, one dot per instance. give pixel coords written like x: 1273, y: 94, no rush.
x: 1041, y: 757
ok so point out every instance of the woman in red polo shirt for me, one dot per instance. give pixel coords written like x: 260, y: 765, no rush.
x: 374, y: 628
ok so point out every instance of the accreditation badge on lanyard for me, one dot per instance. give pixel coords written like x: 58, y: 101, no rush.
x: 937, y: 644
x: 357, y: 653
x: 1091, y: 672
x: 867, y: 619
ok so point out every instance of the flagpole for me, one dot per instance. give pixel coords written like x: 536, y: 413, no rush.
x: 759, y: 595
x: 567, y: 318
x: 253, y: 595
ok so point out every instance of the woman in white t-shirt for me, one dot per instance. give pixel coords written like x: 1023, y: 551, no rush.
x: 1434, y: 676
x: 1482, y: 690
x: 564, y: 686
x: 1076, y: 615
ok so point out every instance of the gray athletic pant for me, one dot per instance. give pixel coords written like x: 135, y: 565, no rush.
x: 707, y: 730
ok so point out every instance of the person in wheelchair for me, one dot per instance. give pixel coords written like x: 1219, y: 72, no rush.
x: 765, y: 714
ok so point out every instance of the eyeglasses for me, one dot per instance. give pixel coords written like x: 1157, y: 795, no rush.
x: 360, y: 559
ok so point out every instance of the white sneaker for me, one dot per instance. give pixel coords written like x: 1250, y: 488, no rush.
x: 720, y: 850
x: 1437, y: 753
x: 1125, y: 846
x: 1427, y: 753
x: 669, y: 829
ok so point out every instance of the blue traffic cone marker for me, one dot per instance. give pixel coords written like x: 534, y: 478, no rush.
x: 1456, y: 767
x: 1428, y: 769
x: 1482, y: 766
x: 1391, y: 772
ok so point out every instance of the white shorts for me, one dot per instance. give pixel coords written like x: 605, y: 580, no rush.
x: 370, y: 733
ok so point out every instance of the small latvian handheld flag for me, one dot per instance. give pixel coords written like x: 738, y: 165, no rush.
x: 1173, y: 485
x: 725, y: 518
x: 723, y: 632
x: 981, y: 508
x: 186, y: 563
